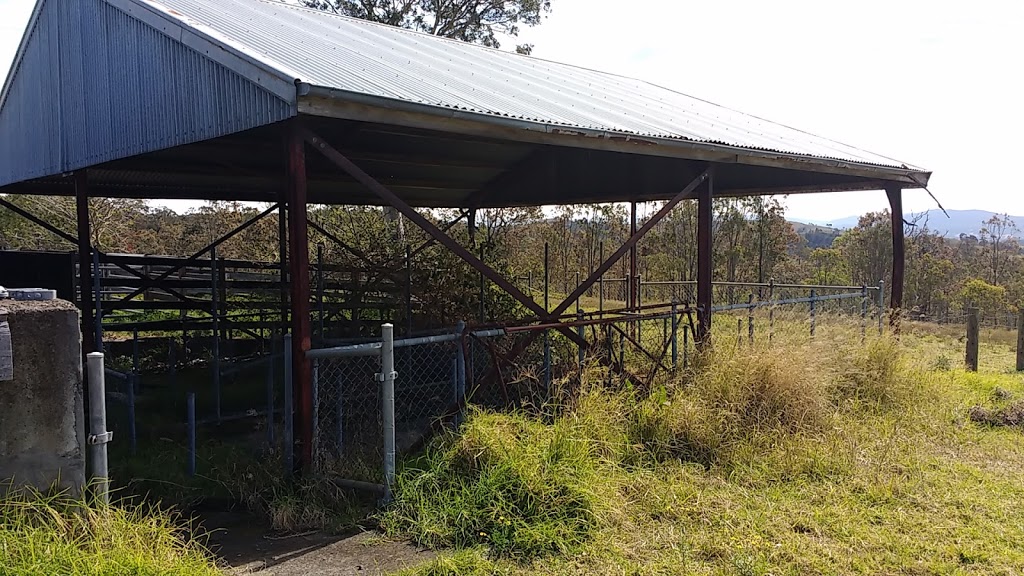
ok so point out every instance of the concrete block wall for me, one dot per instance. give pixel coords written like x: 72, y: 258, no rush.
x: 42, y: 424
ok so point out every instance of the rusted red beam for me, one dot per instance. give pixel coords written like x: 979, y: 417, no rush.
x: 637, y: 344
x: 592, y: 321
x: 415, y: 217
x: 895, y: 195
x: 298, y: 260
x: 705, y: 265
x: 685, y: 193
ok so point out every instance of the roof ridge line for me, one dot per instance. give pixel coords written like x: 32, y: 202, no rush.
x: 229, y: 44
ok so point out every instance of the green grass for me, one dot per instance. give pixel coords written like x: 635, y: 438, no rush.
x: 809, y: 457
x: 56, y: 535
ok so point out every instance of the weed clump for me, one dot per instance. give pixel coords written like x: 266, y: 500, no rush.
x: 732, y: 402
x: 876, y: 374
x: 472, y: 562
x: 57, y: 535
x: 516, y: 485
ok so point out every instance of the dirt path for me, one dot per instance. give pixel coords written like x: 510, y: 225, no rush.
x: 248, y: 547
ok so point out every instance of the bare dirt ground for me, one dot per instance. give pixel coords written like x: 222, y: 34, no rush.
x: 247, y: 546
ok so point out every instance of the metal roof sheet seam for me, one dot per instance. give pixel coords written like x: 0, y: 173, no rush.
x: 350, y: 55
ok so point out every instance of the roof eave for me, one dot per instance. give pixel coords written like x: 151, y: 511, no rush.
x: 333, y: 103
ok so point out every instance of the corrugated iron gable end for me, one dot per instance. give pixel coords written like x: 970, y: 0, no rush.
x: 94, y: 84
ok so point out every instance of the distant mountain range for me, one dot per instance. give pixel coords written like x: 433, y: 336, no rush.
x: 959, y: 222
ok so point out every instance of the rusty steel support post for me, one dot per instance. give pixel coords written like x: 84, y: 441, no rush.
x: 895, y: 195
x: 298, y: 240
x: 704, y: 263
x: 632, y: 258
x: 282, y: 247
x: 85, y: 262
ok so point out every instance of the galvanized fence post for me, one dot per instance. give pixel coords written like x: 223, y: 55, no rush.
x: 320, y: 289
x: 460, y: 373
x: 132, y: 437
x: 387, y: 396
x: 190, y: 401
x: 581, y: 332
x: 863, y: 313
x: 686, y: 346
x: 289, y: 446
x: 813, y: 318
x: 270, y: 398
x: 881, y: 306
x: 135, y: 352
x: 172, y: 359
x: 674, y: 338
x: 316, y: 412
x: 339, y: 415
x: 215, y: 311
x: 99, y: 436
x: 750, y: 318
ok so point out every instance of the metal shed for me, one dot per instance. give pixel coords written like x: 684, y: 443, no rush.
x: 222, y: 100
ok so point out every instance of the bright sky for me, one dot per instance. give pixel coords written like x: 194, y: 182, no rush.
x: 933, y: 83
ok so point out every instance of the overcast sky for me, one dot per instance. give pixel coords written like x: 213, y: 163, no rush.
x: 936, y: 84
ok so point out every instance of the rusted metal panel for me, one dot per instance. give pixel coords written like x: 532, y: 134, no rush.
x: 92, y: 83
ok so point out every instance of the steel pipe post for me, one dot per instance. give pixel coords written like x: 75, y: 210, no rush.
x: 387, y: 396
x: 812, y: 306
x: 674, y: 336
x: 750, y: 318
x: 99, y: 436
x: 460, y: 372
x: 215, y: 313
x: 289, y: 402
x: 190, y: 401
x: 270, y: 398
x: 881, y: 306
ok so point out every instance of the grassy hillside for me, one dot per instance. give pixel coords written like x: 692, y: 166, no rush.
x: 827, y: 457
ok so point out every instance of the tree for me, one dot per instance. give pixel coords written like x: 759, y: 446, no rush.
x: 990, y: 299
x: 867, y: 248
x: 476, y: 21
x: 997, y: 233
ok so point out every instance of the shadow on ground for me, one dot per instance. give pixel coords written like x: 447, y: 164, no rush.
x: 248, y: 546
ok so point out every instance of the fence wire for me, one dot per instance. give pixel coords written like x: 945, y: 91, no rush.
x: 531, y: 366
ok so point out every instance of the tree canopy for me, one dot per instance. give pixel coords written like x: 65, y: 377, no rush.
x: 477, y: 21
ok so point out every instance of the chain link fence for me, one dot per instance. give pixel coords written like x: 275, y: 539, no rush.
x: 362, y: 419
x: 378, y: 399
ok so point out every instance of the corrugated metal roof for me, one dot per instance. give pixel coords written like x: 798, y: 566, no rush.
x: 93, y: 83
x: 347, y: 54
